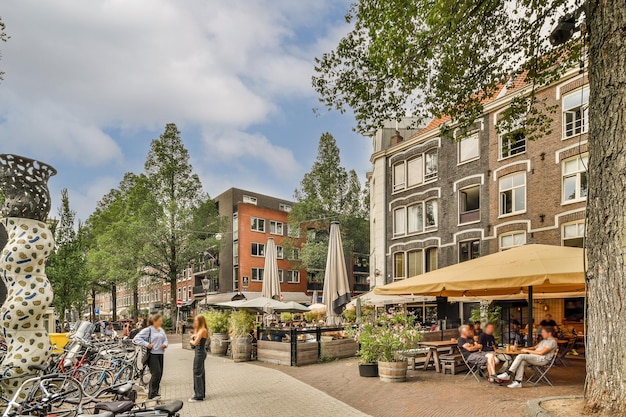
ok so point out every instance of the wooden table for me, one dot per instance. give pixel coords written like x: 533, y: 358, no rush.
x: 509, y: 352
x: 433, y: 352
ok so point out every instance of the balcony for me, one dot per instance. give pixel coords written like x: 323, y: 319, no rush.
x: 213, y: 288
x: 469, y: 216
x: 315, y: 286
x: 204, y: 267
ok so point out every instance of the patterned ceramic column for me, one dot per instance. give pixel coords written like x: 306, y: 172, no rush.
x: 23, y: 183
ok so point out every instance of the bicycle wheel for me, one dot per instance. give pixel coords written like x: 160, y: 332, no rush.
x: 124, y: 375
x: 62, y: 395
x: 96, y: 379
x: 144, y: 376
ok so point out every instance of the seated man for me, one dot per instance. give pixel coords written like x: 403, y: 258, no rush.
x: 471, y: 351
x: 540, y: 355
x: 488, y: 341
x: 548, y: 321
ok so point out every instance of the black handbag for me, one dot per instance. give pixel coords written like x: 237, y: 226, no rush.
x: 145, y: 352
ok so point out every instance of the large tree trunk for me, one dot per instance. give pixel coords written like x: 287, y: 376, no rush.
x: 606, y: 236
x: 113, y: 302
x: 135, y: 302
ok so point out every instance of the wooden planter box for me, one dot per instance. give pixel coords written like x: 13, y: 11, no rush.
x: 339, y: 349
x: 280, y: 352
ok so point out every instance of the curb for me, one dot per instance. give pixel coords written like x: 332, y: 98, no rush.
x: 534, y: 409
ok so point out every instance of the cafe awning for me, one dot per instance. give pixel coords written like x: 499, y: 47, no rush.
x: 545, y: 268
x: 377, y: 300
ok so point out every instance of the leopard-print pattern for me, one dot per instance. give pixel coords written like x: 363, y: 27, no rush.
x: 22, y: 266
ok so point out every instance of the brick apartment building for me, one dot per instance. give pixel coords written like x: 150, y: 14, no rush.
x: 436, y: 201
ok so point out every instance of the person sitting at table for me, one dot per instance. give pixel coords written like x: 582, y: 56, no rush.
x: 512, y: 336
x: 477, y: 330
x: 548, y: 321
x: 540, y: 355
x: 471, y: 351
x: 488, y: 341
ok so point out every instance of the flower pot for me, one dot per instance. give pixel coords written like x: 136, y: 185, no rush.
x: 241, y: 348
x: 219, y: 344
x: 392, y: 371
x: 368, y: 370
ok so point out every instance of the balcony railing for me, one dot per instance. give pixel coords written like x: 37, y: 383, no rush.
x: 313, y: 286
x: 469, y: 216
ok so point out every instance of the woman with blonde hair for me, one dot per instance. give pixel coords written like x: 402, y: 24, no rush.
x: 198, y: 344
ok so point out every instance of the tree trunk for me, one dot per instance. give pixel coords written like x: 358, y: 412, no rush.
x: 93, y: 306
x: 135, y: 302
x: 606, y: 234
x: 113, y: 302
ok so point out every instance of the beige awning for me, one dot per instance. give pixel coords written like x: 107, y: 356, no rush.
x: 336, y: 288
x: 377, y: 300
x: 271, y: 279
x: 548, y: 269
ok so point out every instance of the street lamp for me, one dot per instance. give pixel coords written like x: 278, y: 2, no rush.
x: 206, y: 285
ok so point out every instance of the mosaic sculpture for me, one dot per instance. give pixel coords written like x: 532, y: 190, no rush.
x: 23, y: 183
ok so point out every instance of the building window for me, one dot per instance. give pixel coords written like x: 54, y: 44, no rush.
x: 415, y: 171
x: 276, y: 228
x: 574, y: 234
x: 575, y: 178
x: 415, y: 263
x: 236, y: 253
x: 431, y: 167
x: 431, y: 261
x: 469, y: 205
x: 293, y: 277
x: 281, y: 275
x: 249, y: 199
x: 415, y: 218
x: 258, y: 249
x: 398, y: 265
x: 235, y: 278
x: 399, y: 221
x: 576, y: 113
x: 512, y: 240
x: 513, y: 142
x: 257, y: 274
x: 399, y: 180
x: 235, y: 227
x: 293, y: 232
x: 190, y: 293
x: 284, y: 207
x: 469, y: 148
x: 280, y: 252
x: 258, y: 225
x: 469, y: 250
x: 430, y: 209
x: 180, y: 295
x: 294, y: 254
x: 513, y: 194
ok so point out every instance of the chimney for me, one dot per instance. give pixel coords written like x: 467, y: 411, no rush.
x: 395, y: 139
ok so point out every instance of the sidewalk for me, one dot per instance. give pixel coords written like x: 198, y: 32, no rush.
x: 242, y: 390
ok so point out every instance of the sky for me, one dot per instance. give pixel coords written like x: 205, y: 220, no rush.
x: 88, y: 85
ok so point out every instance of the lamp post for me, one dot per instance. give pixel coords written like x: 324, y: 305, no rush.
x: 206, y: 285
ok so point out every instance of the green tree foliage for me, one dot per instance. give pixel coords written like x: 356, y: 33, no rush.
x: 67, y: 267
x: 3, y: 38
x: 329, y: 193
x: 444, y: 57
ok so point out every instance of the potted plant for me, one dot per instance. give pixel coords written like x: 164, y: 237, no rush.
x: 241, y: 323
x: 383, y: 338
x: 368, y: 350
x: 217, y: 322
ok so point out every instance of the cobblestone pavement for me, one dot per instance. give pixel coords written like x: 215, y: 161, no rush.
x: 244, y: 389
x: 429, y: 394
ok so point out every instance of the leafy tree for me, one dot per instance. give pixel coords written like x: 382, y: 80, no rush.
x: 3, y: 38
x: 328, y: 193
x: 443, y: 57
x: 186, y: 220
x: 67, y: 268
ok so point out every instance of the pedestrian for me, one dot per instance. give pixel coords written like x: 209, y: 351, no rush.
x: 198, y: 344
x: 126, y: 329
x: 154, y: 339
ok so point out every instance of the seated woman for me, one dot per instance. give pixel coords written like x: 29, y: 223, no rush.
x: 540, y: 355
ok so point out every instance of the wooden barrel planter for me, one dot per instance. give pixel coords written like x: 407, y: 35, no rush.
x: 241, y: 347
x: 219, y: 344
x: 392, y: 371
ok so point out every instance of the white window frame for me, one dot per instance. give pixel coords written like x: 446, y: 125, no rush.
x: 435, y: 214
x: 471, y: 138
x: 428, y: 177
x: 235, y: 226
x: 293, y: 232
x: 280, y: 252
x: 399, y: 214
x: 235, y: 253
x: 399, y: 184
x: 274, y: 224
x: 582, y: 106
x: 258, y: 223
x: 294, y: 254
x: 284, y: 207
x: 260, y: 250
x: 580, y: 231
x: 583, y: 163
x: 420, y: 219
x: 418, y: 171
x: 514, y: 233
x: 395, y: 272
x: 258, y: 272
x: 515, y: 127
x: 463, y: 191
x: 513, y: 195
x: 281, y: 275
x: 290, y: 277
x: 470, y: 243
x: 248, y: 199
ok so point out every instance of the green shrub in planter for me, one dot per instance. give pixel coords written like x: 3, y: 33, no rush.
x: 241, y: 322
x: 217, y: 320
x: 285, y: 317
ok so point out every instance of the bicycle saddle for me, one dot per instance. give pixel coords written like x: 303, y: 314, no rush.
x: 42, y: 368
x: 121, y: 389
x: 116, y: 407
x: 170, y: 408
x: 104, y: 414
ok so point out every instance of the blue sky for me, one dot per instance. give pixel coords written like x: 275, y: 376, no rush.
x: 88, y: 84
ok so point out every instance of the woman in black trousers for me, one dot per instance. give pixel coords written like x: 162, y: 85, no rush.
x: 154, y: 339
x: 198, y: 343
